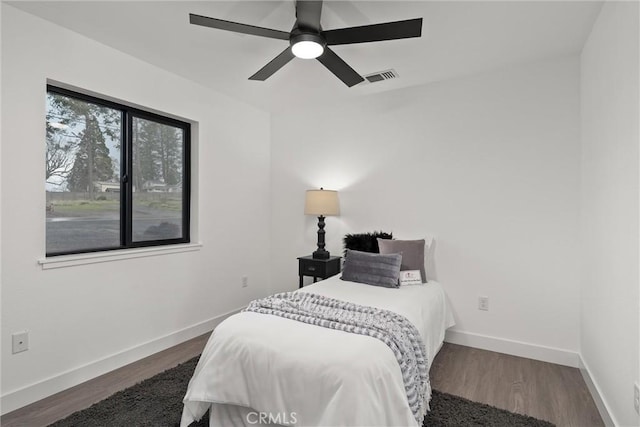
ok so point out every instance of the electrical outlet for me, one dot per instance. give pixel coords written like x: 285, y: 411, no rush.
x: 636, y: 397
x: 245, y: 281
x: 483, y: 303
x: 19, y: 342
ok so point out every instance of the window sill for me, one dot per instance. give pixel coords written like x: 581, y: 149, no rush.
x: 117, y: 255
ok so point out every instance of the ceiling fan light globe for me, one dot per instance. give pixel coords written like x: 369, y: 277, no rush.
x: 307, y: 49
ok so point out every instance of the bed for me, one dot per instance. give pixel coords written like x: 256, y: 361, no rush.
x: 305, y: 375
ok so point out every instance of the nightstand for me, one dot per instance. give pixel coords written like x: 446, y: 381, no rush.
x: 318, y: 268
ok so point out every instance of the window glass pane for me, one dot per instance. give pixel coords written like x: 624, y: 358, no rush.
x: 82, y: 175
x: 157, y: 180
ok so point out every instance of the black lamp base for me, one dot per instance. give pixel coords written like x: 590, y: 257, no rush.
x: 321, y: 254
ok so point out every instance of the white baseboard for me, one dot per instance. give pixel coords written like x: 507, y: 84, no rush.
x: 601, y: 403
x: 32, y: 393
x: 516, y: 348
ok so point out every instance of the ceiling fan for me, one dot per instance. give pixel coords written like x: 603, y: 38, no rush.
x: 308, y: 40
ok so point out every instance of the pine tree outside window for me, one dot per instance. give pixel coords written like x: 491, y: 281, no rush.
x: 116, y: 177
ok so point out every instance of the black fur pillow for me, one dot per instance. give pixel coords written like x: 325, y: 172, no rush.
x: 364, y: 242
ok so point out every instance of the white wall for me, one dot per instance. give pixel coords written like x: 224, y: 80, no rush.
x: 609, y: 208
x: 489, y: 164
x: 88, y: 319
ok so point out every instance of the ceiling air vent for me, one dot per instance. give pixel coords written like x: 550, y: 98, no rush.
x: 382, y: 75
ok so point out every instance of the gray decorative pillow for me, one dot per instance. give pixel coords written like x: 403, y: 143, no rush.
x: 412, y: 254
x: 372, y: 269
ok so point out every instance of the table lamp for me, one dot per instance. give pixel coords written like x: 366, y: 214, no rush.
x: 321, y: 203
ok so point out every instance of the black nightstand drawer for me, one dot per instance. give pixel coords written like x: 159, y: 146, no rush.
x: 309, y: 269
x: 318, y: 268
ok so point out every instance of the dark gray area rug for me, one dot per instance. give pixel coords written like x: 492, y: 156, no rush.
x: 157, y: 402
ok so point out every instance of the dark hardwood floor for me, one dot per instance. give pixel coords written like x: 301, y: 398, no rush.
x: 543, y: 390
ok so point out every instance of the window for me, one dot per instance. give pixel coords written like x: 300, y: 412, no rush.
x: 116, y: 177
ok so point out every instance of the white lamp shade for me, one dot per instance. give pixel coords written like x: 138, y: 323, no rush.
x: 321, y: 202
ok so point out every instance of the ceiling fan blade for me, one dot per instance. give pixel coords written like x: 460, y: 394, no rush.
x: 276, y: 63
x: 341, y: 69
x: 375, y: 33
x: 308, y: 14
x: 236, y: 27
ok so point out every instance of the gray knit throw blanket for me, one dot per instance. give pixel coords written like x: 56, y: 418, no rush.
x: 400, y: 335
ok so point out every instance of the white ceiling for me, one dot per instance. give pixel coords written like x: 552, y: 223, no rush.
x: 458, y: 38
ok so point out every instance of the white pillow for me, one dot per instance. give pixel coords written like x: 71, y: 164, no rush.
x: 429, y: 261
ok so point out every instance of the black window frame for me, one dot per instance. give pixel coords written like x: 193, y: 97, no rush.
x: 128, y: 114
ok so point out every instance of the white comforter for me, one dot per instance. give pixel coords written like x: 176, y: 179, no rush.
x: 306, y: 375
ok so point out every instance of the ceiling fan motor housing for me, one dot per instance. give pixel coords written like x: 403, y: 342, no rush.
x: 298, y: 35
x: 307, y: 44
